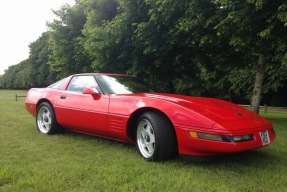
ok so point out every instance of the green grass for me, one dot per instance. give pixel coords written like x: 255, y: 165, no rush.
x: 30, y: 161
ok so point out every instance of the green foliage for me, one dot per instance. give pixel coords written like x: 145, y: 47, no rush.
x: 109, y: 39
x: 68, y: 55
x: 197, y: 47
x: 16, y: 76
x: 282, y: 13
x: 32, y: 72
x: 255, y: 27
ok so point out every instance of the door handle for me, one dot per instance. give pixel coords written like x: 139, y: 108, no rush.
x: 63, y: 97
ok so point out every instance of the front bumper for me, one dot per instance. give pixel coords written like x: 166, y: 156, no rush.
x: 188, y: 145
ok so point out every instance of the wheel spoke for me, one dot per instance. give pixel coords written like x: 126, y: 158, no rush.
x: 150, y: 147
x: 148, y: 129
x: 149, y: 132
x: 49, y: 119
x: 48, y: 114
x: 143, y: 144
x: 142, y: 135
x: 43, y: 116
x: 152, y: 138
x: 46, y: 124
x: 143, y: 141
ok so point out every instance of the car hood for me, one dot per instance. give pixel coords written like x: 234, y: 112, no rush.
x: 214, y: 109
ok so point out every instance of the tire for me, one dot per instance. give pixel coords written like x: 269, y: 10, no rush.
x: 155, y: 137
x: 46, y: 120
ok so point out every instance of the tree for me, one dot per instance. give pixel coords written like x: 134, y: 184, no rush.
x: 68, y: 54
x: 40, y: 71
x: 198, y: 47
x: 253, y: 26
x: 109, y: 33
x: 15, y: 77
x: 33, y: 71
x: 152, y: 39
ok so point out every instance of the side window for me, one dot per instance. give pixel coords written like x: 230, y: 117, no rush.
x: 58, y: 84
x: 79, y: 83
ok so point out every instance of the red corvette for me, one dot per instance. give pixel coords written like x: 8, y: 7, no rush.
x: 126, y: 109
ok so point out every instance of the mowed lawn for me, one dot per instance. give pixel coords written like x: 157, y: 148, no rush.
x: 30, y: 161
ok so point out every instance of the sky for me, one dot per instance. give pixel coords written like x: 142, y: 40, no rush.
x: 21, y: 23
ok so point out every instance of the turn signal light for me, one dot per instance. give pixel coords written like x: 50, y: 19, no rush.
x: 224, y: 138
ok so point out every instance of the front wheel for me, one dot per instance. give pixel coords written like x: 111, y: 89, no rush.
x: 155, y: 137
x: 46, y: 119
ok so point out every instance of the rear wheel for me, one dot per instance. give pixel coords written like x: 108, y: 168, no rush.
x: 155, y: 137
x: 46, y: 119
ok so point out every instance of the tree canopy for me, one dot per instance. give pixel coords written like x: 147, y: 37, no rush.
x: 234, y: 50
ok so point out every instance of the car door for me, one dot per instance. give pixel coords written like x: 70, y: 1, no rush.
x: 83, y: 112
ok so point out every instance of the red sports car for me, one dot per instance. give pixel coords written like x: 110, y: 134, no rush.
x: 124, y: 108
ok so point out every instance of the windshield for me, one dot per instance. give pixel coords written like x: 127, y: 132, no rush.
x: 124, y: 85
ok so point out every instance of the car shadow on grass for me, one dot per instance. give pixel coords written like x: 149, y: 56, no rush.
x: 97, y: 139
x: 243, y: 158
x: 252, y: 158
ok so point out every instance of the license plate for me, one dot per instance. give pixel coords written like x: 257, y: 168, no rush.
x: 265, y: 137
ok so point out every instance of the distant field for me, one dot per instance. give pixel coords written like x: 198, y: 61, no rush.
x: 30, y: 161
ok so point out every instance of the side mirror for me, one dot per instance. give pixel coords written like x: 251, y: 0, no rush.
x: 90, y: 91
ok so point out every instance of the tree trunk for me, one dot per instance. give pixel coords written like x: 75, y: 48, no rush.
x: 256, y: 97
x: 151, y: 75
